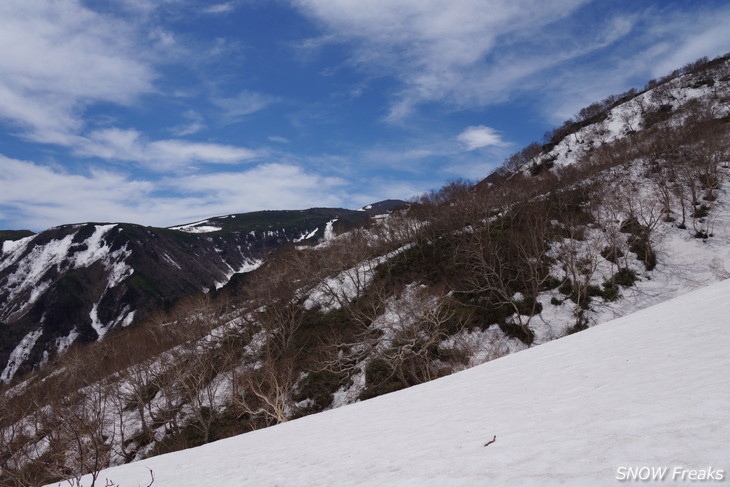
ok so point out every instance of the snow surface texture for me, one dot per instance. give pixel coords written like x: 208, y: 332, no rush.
x: 649, y: 389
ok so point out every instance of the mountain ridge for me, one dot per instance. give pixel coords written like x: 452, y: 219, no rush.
x: 74, y: 282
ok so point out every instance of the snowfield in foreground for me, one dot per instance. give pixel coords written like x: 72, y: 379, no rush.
x: 651, y: 389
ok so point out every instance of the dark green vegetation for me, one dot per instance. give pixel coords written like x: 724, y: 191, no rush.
x: 625, y: 277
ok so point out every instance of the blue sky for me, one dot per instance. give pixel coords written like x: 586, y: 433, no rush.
x: 167, y: 111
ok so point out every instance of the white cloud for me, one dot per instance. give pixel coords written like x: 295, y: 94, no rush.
x: 58, y: 58
x: 667, y: 41
x: 220, y: 8
x: 472, y: 53
x: 413, y: 159
x: 61, y: 58
x: 158, y: 155
x: 37, y: 197
x: 432, y: 46
x: 268, y: 186
x: 144, y: 7
x: 196, y: 125
x: 245, y: 103
x: 702, y: 36
x: 479, y: 136
x: 187, y: 129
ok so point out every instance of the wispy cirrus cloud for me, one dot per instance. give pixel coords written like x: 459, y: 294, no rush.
x: 59, y: 58
x: 220, y: 8
x: 62, y: 59
x: 470, y: 54
x: 694, y: 34
x: 662, y: 41
x: 432, y: 46
x: 157, y: 155
x: 243, y: 104
x: 196, y: 124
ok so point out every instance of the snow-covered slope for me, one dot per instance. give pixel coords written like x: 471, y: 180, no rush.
x: 648, y: 390
x: 633, y: 112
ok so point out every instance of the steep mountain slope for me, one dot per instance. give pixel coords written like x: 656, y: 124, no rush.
x: 75, y: 282
x: 647, y: 390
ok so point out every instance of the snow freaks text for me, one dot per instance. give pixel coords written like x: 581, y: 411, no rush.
x: 676, y: 474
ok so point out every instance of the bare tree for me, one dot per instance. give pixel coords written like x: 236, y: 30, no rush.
x: 411, y: 340
x: 137, y: 392
x: 86, y: 427
x: 506, y: 259
x: 609, y: 214
x: 579, y: 259
x: 200, y: 385
x: 265, y: 390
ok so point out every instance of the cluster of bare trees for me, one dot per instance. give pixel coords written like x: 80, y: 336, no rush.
x: 46, y: 439
x: 101, y: 404
x: 506, y: 262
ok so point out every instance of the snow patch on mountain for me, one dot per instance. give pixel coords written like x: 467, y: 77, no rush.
x: 59, y: 255
x: 97, y: 325
x: 201, y: 229
x: 306, y: 235
x: 20, y: 354
x: 629, y: 116
x: 329, y: 232
x: 63, y: 343
x: 197, y: 227
x: 97, y: 248
x: 32, y: 267
x: 10, y: 246
x: 249, y: 265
